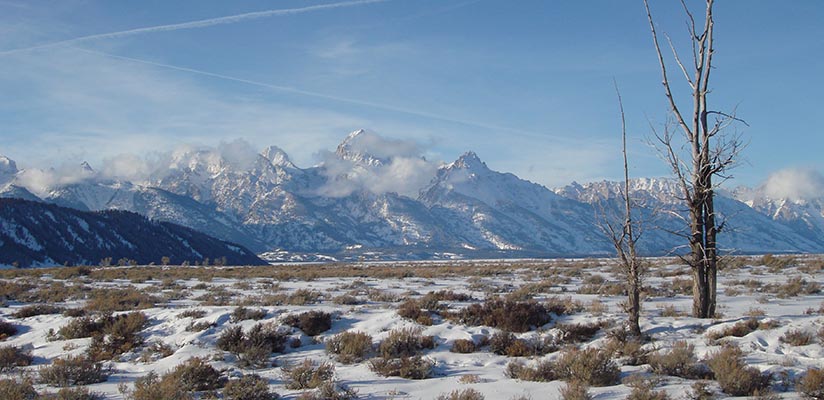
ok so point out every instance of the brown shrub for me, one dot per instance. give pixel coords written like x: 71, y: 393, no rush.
x: 311, y: 323
x: 642, y: 389
x: 346, y: 300
x: 349, y: 347
x: 12, y: 389
x: 591, y: 366
x: 152, y: 387
x: 465, y: 394
x: 811, y: 384
x: 733, y: 375
x: 307, y: 374
x: 504, y: 314
x: 196, y: 375
x: 563, y: 306
x: 75, y: 393
x: 243, y: 313
x: 500, y: 341
x: 11, y: 357
x: 679, y: 361
x: 120, y: 335
x: 405, y: 342
x: 405, y: 367
x: 330, y: 391
x: 543, y: 371
x: 248, y: 387
x: 73, y: 370
x: 7, y: 330
x: 796, y: 337
x: 110, y: 300
x: 37, y: 309
x: 578, y: 333
x: 742, y: 328
x: 193, y: 313
x: 463, y: 346
x: 575, y: 390
x: 700, y: 391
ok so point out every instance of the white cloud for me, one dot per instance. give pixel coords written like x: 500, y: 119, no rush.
x: 402, y: 169
x: 795, y: 184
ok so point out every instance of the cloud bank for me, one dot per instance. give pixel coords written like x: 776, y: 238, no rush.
x: 795, y: 184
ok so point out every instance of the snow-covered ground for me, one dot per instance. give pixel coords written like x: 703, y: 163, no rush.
x: 786, y: 294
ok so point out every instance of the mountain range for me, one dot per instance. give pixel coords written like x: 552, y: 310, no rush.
x: 364, y: 202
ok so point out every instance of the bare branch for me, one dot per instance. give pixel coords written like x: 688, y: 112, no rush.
x: 678, y: 61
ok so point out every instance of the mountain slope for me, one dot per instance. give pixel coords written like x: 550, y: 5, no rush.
x: 36, y: 233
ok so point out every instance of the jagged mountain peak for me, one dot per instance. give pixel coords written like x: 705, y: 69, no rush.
x: 358, y: 148
x: 85, y: 167
x: 7, y: 166
x: 277, y: 157
x: 469, y: 161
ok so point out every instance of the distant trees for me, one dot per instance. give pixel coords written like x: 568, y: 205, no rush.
x: 708, y: 152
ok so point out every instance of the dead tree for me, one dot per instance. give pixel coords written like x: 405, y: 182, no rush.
x: 624, y: 234
x: 709, y: 151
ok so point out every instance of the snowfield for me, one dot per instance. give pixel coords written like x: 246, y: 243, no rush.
x: 188, y: 309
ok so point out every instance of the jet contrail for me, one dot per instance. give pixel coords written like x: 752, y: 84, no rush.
x: 308, y: 93
x: 231, y: 19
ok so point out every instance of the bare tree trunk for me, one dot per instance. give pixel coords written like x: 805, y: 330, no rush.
x: 706, y: 162
x: 624, y: 238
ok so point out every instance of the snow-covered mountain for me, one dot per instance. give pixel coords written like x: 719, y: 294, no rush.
x: 662, y: 215
x: 377, y: 196
x: 805, y: 215
x: 37, y: 233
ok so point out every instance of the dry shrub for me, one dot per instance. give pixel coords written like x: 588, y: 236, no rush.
x: 152, y: 387
x: 74, y: 370
x: 733, y: 375
x: 330, y: 391
x: 307, y: 374
x: 7, y: 330
x: 700, y: 391
x: 575, y: 390
x: 776, y: 263
x: 111, y: 300
x: 195, y: 375
x: 415, y: 367
x: 155, y: 351
x: 75, y: 393
x: 500, y: 341
x: 254, y: 347
x: 405, y: 342
x: 578, y: 333
x: 591, y: 366
x: 193, y: 313
x: 82, y: 327
x: 248, y: 387
x: 13, y: 389
x: 504, y: 314
x: 793, y: 287
x: 120, y: 335
x: 411, y: 309
x: 563, y: 305
x: 11, y: 357
x: 465, y: 394
x: 243, y: 313
x: 797, y: 337
x: 346, y: 300
x: 670, y: 310
x: 543, y: 371
x: 311, y: 323
x: 349, y: 347
x: 642, y: 389
x: 811, y: 385
x: 302, y: 297
x: 679, y: 361
x: 463, y: 346
x: 469, y: 378
x: 742, y: 328
x: 37, y: 309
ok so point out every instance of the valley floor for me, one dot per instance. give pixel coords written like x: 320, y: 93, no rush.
x: 771, y: 308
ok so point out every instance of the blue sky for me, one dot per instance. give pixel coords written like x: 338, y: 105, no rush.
x: 525, y: 84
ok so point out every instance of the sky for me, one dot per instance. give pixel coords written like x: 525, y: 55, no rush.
x: 527, y: 85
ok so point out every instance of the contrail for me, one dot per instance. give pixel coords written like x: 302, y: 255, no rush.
x: 289, y: 89
x: 231, y: 19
